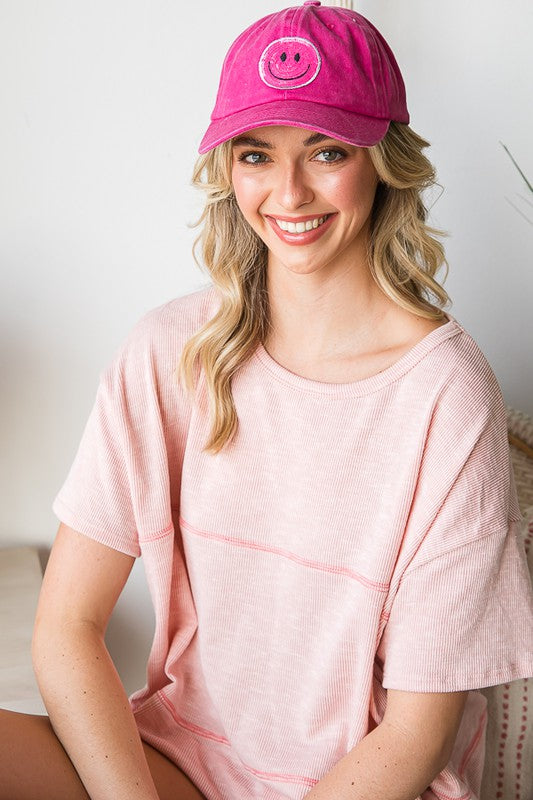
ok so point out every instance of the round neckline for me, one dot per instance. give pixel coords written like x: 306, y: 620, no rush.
x: 364, y: 385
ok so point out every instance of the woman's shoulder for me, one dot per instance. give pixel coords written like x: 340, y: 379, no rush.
x: 167, y: 327
x: 182, y: 316
x: 462, y: 388
x: 463, y: 362
x: 152, y: 349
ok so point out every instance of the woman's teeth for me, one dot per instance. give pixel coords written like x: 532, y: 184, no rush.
x: 301, y: 227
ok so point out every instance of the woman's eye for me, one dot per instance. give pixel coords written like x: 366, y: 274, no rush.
x: 253, y: 158
x: 329, y: 156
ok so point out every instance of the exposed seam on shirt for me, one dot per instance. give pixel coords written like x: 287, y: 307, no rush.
x: 190, y: 726
x: 305, y: 562
x: 281, y: 777
x: 206, y: 734
x: 153, y: 537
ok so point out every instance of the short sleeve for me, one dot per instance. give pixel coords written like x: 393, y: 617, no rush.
x: 459, y: 614
x: 118, y: 489
x: 125, y: 480
x: 462, y: 620
x: 96, y: 498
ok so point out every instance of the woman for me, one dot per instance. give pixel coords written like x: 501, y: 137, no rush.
x: 324, y: 503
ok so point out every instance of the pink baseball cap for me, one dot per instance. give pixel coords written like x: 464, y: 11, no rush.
x: 319, y: 67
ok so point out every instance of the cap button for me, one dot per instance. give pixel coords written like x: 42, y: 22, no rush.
x: 312, y: 3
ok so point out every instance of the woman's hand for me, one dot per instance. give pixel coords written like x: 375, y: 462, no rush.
x: 403, y: 755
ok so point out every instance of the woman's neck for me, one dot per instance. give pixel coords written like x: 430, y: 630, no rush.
x: 321, y: 316
x: 338, y: 329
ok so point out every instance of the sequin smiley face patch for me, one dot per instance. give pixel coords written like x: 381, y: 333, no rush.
x: 289, y: 63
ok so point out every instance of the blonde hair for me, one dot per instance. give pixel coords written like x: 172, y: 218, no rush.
x: 404, y: 256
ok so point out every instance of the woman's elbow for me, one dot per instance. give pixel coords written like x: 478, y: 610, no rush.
x: 56, y: 641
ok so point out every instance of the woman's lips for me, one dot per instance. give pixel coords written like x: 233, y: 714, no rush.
x: 303, y: 237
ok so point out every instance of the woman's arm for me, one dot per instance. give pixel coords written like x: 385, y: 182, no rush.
x: 400, y: 758
x: 85, y: 699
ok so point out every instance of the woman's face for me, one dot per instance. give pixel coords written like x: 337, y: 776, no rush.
x: 306, y: 195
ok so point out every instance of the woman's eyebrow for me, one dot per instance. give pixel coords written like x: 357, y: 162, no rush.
x: 315, y: 139
x: 252, y: 141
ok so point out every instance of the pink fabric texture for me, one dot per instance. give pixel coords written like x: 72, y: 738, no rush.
x: 319, y: 67
x: 352, y: 538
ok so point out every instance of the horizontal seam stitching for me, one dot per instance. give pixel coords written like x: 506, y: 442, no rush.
x: 206, y: 734
x: 382, y: 587
x: 152, y: 537
x: 279, y: 776
x: 191, y: 726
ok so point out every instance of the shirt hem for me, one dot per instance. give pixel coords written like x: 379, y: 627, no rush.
x: 516, y: 673
x: 68, y: 517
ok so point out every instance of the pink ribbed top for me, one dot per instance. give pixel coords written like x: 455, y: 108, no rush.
x: 351, y: 538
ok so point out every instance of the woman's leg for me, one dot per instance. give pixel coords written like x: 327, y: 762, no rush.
x: 34, y: 765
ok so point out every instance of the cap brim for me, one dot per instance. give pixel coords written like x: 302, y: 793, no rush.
x: 355, y: 129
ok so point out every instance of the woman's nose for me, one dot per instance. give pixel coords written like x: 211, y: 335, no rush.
x: 293, y: 189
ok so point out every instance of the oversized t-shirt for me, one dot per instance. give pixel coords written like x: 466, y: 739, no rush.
x: 351, y: 538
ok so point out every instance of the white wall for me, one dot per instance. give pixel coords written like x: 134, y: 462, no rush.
x: 102, y: 107
x: 468, y: 67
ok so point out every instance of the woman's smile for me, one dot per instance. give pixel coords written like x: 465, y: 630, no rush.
x: 308, y: 196
x: 300, y: 230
